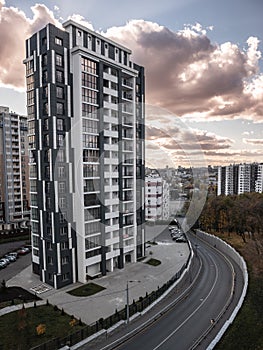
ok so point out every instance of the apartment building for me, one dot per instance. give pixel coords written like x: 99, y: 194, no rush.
x: 86, y: 136
x: 259, y: 180
x: 239, y: 178
x: 156, y: 197
x: 14, y: 184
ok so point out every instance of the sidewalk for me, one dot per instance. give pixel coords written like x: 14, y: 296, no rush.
x: 146, y: 279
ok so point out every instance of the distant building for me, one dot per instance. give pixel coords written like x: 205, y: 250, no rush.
x: 238, y: 179
x: 156, y: 197
x: 14, y: 177
x: 259, y: 181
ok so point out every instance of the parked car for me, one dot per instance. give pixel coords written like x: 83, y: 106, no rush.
x: 3, y: 262
x: 6, y: 260
x: 13, y: 254
x: 23, y: 251
x: 11, y: 258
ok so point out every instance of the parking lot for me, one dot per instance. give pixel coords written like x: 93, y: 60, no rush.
x: 14, y: 267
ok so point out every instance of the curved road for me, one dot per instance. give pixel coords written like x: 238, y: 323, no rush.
x: 183, y: 324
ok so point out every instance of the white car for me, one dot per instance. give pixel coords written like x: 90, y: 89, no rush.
x: 11, y: 258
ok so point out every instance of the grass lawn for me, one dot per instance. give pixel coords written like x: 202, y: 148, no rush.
x: 18, y: 328
x: 86, y: 290
x: 153, y: 262
x: 15, y: 295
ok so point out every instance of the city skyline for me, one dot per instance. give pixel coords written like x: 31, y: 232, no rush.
x: 205, y: 87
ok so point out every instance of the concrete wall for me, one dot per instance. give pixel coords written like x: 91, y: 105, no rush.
x: 230, y: 251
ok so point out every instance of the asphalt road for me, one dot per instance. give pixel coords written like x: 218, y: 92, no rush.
x: 183, y: 324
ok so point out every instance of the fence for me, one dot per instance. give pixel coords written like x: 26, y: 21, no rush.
x: 137, y: 306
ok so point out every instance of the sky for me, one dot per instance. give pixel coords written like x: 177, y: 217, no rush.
x: 203, y: 69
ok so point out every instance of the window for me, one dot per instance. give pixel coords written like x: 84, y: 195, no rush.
x: 33, y: 186
x: 90, y: 155
x: 47, y: 171
x: 45, y: 77
x: 62, y: 218
x: 45, y: 109
x: 89, y: 80
x: 33, y: 199
x: 49, y: 245
x: 31, y: 127
x: 61, y: 171
x: 48, y: 202
x: 49, y: 233
x: 59, y: 92
x: 90, y: 126
x: 62, y: 203
x: 90, y: 141
x: 60, y: 108
x: 92, y: 214
x: 92, y: 242
x: 60, y: 124
x: 61, y: 187
x: 65, y: 276
x: 64, y: 260
x: 34, y: 213
x: 29, y: 67
x: 89, y: 111
x: 88, y: 66
x: 30, y: 98
x: 46, y: 140
x: 61, y: 140
x: 89, y: 96
x: 90, y: 170
x: 63, y: 230
x: 64, y: 245
x: 59, y: 60
x: 45, y: 124
x: 60, y: 156
x: 58, y: 41
x: 50, y: 260
x: 44, y: 60
x: 59, y: 76
x: 91, y: 185
x: 47, y: 187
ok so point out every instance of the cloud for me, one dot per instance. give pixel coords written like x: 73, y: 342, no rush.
x: 188, y: 74
x: 81, y: 20
x: 253, y: 141
x: 15, y: 28
x: 187, y: 139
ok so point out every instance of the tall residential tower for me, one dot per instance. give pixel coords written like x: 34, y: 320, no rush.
x: 14, y: 185
x: 85, y: 100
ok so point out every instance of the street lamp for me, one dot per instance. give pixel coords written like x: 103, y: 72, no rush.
x: 127, y: 300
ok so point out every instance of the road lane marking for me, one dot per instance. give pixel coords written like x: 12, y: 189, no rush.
x: 183, y: 323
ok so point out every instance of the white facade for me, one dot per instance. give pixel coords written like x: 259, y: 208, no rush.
x: 259, y: 181
x: 156, y: 198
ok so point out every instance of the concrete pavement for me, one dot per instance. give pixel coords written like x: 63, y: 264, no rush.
x: 145, y: 277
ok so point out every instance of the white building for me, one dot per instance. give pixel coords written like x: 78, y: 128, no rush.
x: 259, y: 181
x: 156, y: 197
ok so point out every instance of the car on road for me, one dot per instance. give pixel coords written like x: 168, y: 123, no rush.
x: 4, y: 262
x: 13, y: 254
x: 23, y: 251
x: 11, y: 258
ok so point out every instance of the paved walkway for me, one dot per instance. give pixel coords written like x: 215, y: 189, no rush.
x: 145, y: 277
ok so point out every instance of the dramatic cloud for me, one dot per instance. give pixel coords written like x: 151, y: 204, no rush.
x: 15, y: 28
x: 187, y: 139
x: 253, y: 141
x: 187, y: 74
